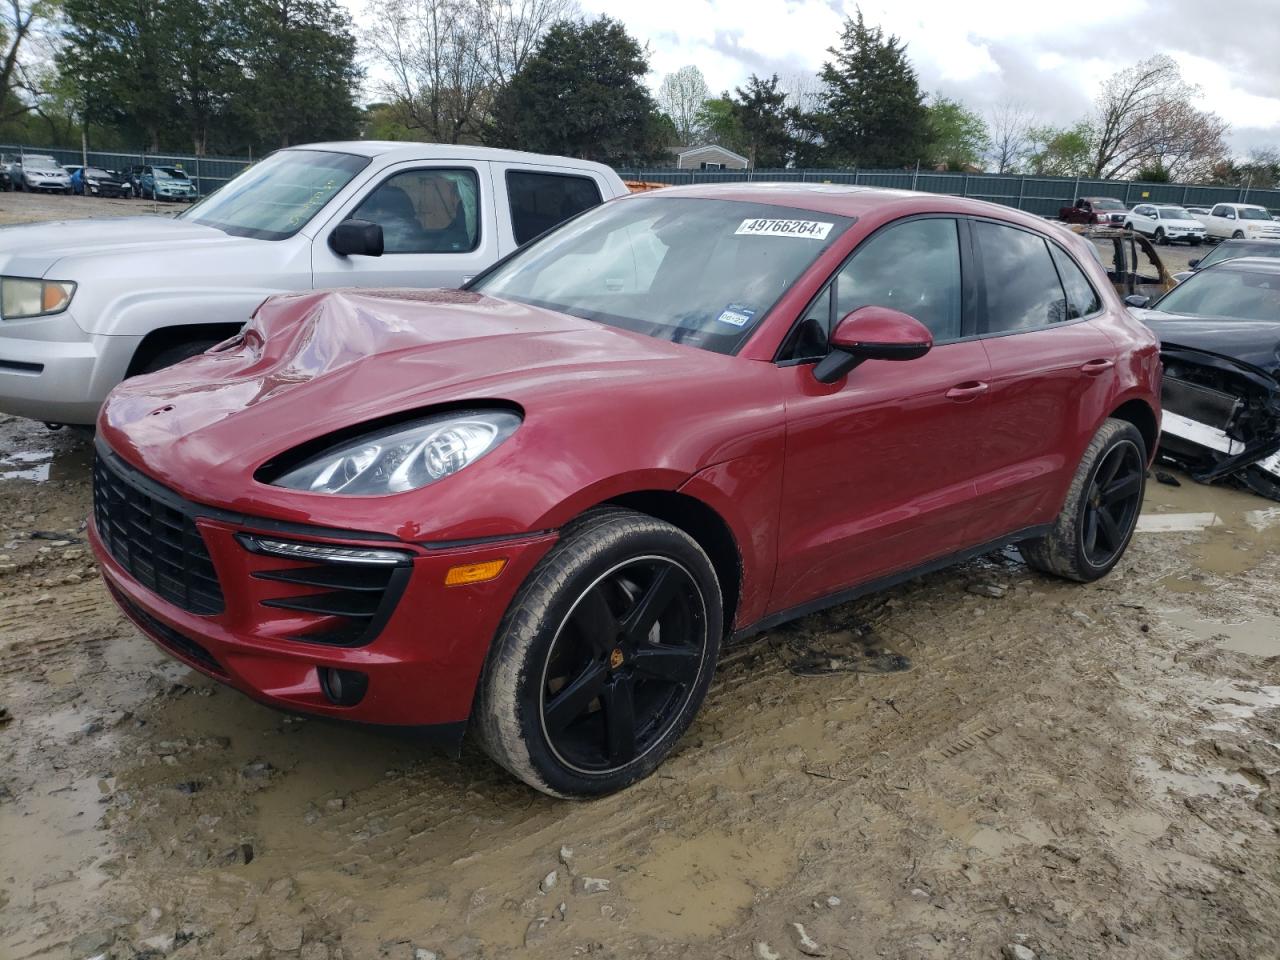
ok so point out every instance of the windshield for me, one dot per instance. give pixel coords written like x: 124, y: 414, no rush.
x: 684, y: 269
x: 1107, y: 204
x: 1226, y: 292
x: 1174, y: 213
x: 1254, y: 213
x: 95, y: 172
x: 276, y: 198
x: 170, y: 173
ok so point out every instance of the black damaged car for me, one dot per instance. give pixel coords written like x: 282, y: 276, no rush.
x: 1219, y: 332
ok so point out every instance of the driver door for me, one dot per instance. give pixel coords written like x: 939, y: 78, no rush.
x: 437, y: 224
x: 881, y: 466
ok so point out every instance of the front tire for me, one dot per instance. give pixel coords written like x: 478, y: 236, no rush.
x: 1238, y: 235
x: 1159, y: 235
x: 604, y: 656
x: 1101, y: 510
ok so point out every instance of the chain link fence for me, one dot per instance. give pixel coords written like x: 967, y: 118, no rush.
x: 208, y: 173
x: 1038, y: 195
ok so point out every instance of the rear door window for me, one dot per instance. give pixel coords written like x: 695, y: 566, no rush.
x: 540, y: 201
x: 1021, y: 285
x: 433, y: 210
x: 1082, y: 298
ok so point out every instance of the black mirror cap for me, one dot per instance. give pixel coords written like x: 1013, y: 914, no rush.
x: 1137, y: 300
x: 356, y: 238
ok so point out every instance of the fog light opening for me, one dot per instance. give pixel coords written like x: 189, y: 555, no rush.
x: 344, y: 688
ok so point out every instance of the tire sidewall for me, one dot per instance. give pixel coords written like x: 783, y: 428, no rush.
x: 587, y: 557
x: 1125, y: 433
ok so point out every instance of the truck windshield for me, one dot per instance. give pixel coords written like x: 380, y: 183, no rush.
x: 277, y: 197
x: 1253, y: 213
x: 690, y: 270
x: 1107, y: 204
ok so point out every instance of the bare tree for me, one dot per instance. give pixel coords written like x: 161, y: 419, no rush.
x: 445, y: 59
x: 804, y: 91
x: 681, y: 97
x: 1009, y: 126
x: 513, y: 29
x: 22, y: 22
x: 1145, y: 115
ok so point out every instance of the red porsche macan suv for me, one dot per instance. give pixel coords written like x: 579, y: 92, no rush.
x: 539, y: 505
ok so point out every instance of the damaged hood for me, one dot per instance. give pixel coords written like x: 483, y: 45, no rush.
x: 311, y: 364
x: 1256, y: 342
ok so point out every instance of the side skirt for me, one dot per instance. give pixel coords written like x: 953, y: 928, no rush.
x: 884, y: 583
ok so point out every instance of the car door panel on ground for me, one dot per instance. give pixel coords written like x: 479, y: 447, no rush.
x: 1052, y: 368
x: 438, y: 226
x: 880, y: 467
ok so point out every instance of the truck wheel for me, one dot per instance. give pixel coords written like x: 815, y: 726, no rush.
x: 176, y: 354
x: 1159, y: 236
x: 603, y: 657
x: 1101, y: 510
x: 1238, y: 235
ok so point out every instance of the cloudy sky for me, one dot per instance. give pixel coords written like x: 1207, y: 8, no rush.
x: 984, y: 52
x: 988, y: 51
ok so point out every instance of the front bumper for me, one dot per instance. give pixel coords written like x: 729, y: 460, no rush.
x: 422, y: 664
x: 63, y: 376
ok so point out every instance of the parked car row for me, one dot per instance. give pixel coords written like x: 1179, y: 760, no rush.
x: 40, y: 172
x: 535, y: 502
x: 1167, y: 223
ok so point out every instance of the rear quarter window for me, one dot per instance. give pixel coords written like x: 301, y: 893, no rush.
x: 540, y: 201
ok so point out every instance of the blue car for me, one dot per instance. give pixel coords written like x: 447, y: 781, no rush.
x: 166, y: 183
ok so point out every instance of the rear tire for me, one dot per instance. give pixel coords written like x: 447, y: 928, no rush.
x: 582, y: 694
x: 1101, y: 511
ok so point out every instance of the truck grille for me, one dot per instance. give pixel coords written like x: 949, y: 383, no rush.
x: 155, y: 541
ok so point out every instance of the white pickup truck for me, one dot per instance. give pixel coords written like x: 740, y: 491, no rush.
x: 1240, y: 221
x: 84, y: 304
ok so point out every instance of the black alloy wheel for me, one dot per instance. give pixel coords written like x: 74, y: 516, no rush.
x: 623, y: 664
x: 1113, y: 503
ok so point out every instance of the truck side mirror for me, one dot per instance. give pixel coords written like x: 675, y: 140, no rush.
x: 356, y: 238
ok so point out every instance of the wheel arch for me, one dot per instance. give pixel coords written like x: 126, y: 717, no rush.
x: 163, y: 338
x: 702, y: 522
x: 1140, y: 414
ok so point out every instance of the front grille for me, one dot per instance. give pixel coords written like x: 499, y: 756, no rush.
x: 352, y: 602
x: 155, y: 541
x: 172, y: 640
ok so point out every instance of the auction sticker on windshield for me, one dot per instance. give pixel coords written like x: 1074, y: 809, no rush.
x: 760, y: 227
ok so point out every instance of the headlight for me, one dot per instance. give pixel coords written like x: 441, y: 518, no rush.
x: 91, y: 182
x: 403, y: 457
x: 21, y: 298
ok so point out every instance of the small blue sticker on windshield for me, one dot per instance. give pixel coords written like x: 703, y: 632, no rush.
x: 736, y: 315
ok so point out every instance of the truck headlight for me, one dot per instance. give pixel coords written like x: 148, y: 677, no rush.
x: 21, y: 298
x: 404, y: 457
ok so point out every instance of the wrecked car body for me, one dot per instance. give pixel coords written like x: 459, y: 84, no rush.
x: 1221, y: 392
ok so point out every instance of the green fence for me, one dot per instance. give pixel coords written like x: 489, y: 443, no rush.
x: 208, y: 173
x: 1038, y: 195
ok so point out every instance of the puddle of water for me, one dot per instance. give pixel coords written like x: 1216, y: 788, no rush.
x: 1258, y: 636
x: 26, y: 465
x: 1204, y: 781
x: 696, y: 887
x: 1236, y: 527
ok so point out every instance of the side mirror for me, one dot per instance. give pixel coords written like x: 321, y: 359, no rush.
x: 872, y: 333
x: 1194, y: 263
x: 1136, y: 300
x: 356, y: 238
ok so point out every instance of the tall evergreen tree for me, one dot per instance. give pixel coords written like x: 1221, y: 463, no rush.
x: 871, y: 111
x: 761, y: 114
x: 582, y: 94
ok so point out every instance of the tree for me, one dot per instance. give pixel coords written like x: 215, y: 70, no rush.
x: 871, y: 112
x: 1261, y: 170
x: 512, y: 30
x: 760, y: 113
x: 582, y: 93
x: 719, y: 123
x: 1010, y: 125
x: 681, y: 97
x: 21, y: 22
x: 1145, y: 116
x: 1060, y: 151
x: 958, y: 136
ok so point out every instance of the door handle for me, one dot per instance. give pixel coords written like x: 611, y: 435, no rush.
x: 1096, y: 368
x: 964, y: 392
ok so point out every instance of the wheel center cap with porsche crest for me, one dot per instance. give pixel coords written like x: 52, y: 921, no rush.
x: 616, y: 658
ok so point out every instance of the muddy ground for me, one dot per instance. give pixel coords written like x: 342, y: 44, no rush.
x: 977, y: 762
x: 19, y: 207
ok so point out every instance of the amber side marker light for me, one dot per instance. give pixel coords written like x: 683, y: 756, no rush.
x: 473, y: 572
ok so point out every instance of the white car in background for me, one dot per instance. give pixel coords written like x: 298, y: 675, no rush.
x: 86, y: 303
x: 1165, y: 223
x: 1240, y: 221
